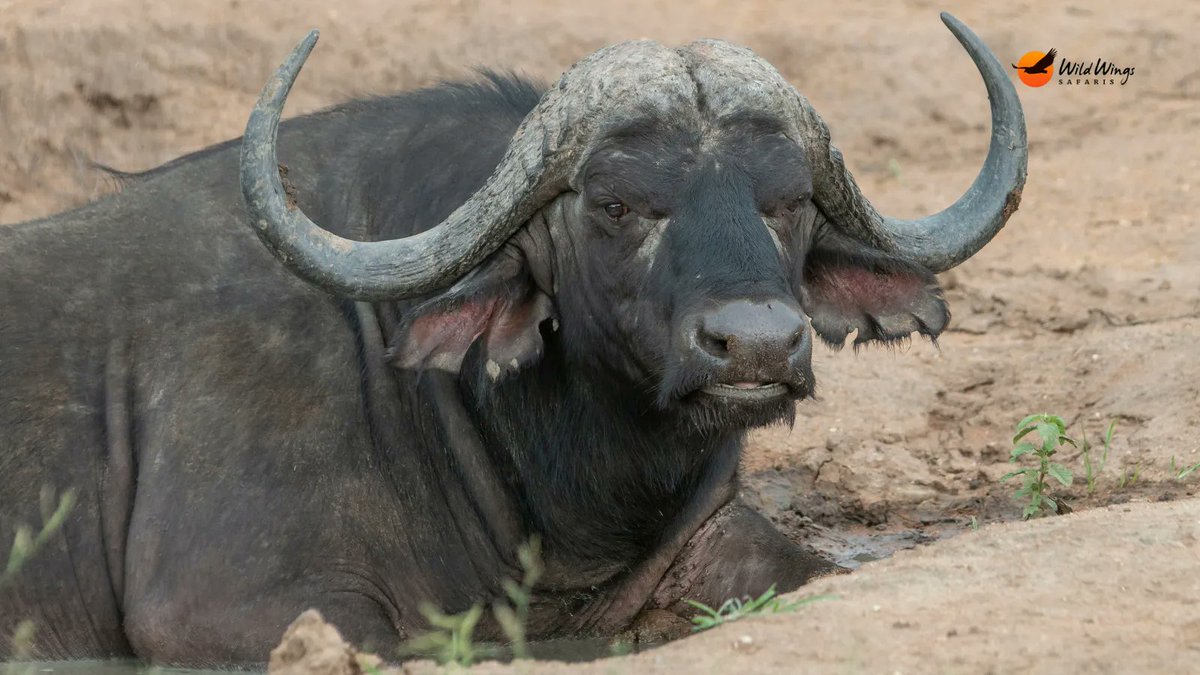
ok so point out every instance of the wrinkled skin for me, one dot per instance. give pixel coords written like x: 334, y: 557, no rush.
x: 245, y: 447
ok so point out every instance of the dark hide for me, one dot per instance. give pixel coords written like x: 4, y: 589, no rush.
x: 244, y: 446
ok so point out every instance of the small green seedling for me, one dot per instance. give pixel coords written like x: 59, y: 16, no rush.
x: 450, y: 640
x: 620, y: 648
x: 1180, y: 472
x: 26, y: 543
x: 895, y: 167
x: 515, y: 616
x: 368, y: 664
x: 1092, y: 468
x: 739, y: 608
x: 22, y: 640
x: 22, y: 645
x: 1051, y: 431
x: 1130, y: 477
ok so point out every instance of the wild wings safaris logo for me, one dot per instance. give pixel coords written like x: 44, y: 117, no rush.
x: 1037, y: 69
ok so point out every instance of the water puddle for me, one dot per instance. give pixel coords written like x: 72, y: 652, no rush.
x: 95, y: 667
x: 852, y: 546
x: 573, y: 651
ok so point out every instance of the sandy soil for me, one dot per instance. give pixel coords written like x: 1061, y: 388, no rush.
x: 1086, y: 305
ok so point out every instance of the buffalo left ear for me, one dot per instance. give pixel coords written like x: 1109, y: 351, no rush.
x: 848, y: 286
x: 497, y: 305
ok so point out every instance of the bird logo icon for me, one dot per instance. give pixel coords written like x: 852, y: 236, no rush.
x: 1035, y: 68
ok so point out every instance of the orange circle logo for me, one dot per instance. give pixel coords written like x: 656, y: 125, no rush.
x: 1035, y: 68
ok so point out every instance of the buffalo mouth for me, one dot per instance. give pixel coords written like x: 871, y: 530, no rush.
x: 724, y: 406
x: 748, y: 391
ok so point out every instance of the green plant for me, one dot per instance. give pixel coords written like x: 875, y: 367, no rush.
x: 26, y: 543
x: 1130, y: 477
x: 514, y: 617
x: 1051, y: 430
x: 367, y: 667
x: 451, y: 640
x: 1180, y: 472
x: 22, y: 650
x: 1090, y: 467
x: 895, y: 167
x: 738, y: 608
x: 22, y: 640
x: 620, y: 648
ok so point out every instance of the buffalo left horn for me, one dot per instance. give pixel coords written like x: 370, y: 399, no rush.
x: 542, y: 157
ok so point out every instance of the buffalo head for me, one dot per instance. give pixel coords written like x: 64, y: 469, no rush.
x: 677, y: 217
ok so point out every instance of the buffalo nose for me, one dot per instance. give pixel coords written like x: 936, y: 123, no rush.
x: 754, y: 340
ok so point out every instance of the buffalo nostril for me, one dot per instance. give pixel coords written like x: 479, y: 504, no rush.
x: 713, y: 344
x: 796, y: 341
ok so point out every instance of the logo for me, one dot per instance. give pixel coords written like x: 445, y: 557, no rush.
x: 1036, y: 68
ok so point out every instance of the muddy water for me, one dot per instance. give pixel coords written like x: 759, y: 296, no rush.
x: 852, y: 546
x: 552, y: 650
x: 102, y: 668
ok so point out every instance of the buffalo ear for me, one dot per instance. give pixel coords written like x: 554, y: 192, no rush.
x: 497, y: 305
x: 849, y: 286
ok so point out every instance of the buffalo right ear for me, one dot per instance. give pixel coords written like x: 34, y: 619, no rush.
x: 497, y: 305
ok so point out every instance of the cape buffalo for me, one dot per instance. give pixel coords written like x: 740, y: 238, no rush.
x: 526, y: 311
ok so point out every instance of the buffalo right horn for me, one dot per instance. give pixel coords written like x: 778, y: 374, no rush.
x: 945, y: 239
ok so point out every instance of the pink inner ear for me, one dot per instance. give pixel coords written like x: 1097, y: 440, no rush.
x: 450, y: 332
x: 512, y: 324
x: 850, y: 288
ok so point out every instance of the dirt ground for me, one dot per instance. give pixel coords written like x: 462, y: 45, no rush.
x: 1087, y: 305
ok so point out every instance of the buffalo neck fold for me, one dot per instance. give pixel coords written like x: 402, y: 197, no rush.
x: 594, y: 471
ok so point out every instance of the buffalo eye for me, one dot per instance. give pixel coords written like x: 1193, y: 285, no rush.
x: 616, y: 210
